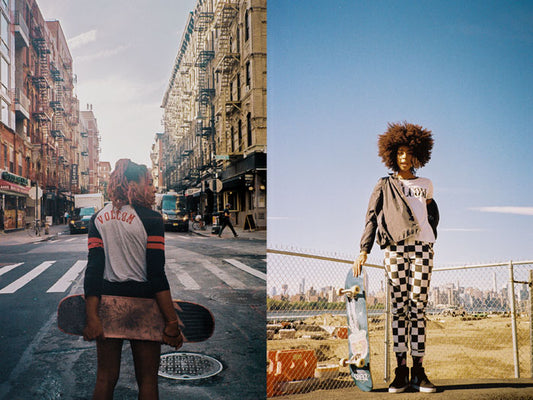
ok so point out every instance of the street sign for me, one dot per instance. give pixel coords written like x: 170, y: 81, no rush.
x: 32, y: 194
x: 216, y: 185
x: 222, y: 157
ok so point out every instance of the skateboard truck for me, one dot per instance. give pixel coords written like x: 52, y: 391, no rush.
x: 359, y: 362
x: 351, y: 292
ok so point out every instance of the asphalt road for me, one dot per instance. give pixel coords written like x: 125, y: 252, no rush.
x: 40, y: 362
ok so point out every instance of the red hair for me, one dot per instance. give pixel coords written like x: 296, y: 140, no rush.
x: 125, y: 186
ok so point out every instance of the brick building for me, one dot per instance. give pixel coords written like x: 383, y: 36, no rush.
x: 214, y: 141
x: 40, y: 141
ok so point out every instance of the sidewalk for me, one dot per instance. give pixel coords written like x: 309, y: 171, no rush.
x: 227, y: 234
x: 22, y: 237
x: 466, y: 389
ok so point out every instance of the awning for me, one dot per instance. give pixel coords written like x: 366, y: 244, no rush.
x: 13, y: 189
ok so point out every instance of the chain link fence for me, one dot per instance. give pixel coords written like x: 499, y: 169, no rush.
x: 474, y: 329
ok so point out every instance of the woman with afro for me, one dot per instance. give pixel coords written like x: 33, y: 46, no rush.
x: 127, y: 258
x: 402, y: 216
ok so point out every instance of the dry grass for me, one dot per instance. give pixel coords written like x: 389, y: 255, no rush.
x: 456, y: 348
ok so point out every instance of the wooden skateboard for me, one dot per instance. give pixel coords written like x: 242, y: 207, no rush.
x: 135, y: 318
x: 358, y: 343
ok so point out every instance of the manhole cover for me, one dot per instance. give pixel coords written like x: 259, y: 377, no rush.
x: 188, y: 366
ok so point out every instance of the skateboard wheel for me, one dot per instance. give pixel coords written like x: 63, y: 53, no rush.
x: 340, y: 291
x: 343, y: 362
x: 360, y: 363
x: 353, y: 291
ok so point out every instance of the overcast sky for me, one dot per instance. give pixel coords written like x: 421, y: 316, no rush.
x: 338, y: 72
x: 123, y: 55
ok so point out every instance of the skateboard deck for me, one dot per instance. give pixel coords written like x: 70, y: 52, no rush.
x: 135, y: 318
x: 358, y: 343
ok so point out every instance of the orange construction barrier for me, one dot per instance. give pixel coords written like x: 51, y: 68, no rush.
x: 342, y: 332
x: 293, y: 365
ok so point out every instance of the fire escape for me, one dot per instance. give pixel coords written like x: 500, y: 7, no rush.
x: 58, y: 124
x: 41, y: 108
x: 226, y: 67
x: 202, y: 127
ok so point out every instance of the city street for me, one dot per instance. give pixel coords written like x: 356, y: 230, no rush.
x: 227, y: 275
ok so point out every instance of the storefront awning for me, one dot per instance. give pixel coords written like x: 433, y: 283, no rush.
x: 13, y: 189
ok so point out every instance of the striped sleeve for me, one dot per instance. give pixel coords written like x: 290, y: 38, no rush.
x: 94, y: 273
x: 155, y: 248
x: 156, y: 243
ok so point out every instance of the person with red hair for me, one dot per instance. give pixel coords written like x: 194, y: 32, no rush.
x: 403, y: 216
x: 127, y: 258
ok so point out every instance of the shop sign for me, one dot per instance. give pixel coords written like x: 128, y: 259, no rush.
x: 74, y: 175
x: 192, y: 191
x: 12, y: 178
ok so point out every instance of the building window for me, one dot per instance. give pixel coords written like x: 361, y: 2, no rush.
x: 11, y: 160
x: 19, y: 162
x: 248, y: 74
x: 239, y: 130
x: 249, y: 128
x: 247, y: 25
x: 232, y: 140
x: 4, y: 75
x: 5, y: 156
x: 4, y: 34
x: 238, y: 87
x: 4, y: 116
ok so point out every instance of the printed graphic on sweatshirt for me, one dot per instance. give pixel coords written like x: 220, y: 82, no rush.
x: 118, y: 215
x: 414, y: 191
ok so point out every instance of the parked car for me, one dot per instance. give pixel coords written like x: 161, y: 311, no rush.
x: 80, y: 221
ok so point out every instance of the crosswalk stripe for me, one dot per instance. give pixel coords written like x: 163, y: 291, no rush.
x: 70, y: 276
x: 246, y: 268
x: 8, y: 268
x: 185, y: 279
x: 223, y: 275
x: 70, y: 240
x: 12, y: 288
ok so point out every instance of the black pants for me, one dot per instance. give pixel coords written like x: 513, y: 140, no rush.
x: 227, y: 222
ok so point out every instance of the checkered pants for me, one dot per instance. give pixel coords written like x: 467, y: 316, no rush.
x: 409, y: 265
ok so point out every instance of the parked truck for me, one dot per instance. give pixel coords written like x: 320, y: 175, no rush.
x: 172, y: 207
x: 85, y: 205
x: 95, y: 200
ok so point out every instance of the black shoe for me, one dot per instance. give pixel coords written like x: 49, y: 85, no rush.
x: 420, y: 381
x: 401, y: 381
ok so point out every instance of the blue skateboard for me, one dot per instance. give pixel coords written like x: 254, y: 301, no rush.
x: 358, y: 343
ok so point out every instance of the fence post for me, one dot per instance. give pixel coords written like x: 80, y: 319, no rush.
x: 387, y: 325
x: 513, y: 321
x: 531, y: 320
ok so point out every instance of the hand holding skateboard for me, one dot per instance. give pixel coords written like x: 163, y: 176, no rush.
x: 93, y: 329
x: 172, y: 335
x: 359, y: 262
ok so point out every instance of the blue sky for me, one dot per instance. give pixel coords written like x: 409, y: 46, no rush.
x: 338, y: 72
x: 123, y: 57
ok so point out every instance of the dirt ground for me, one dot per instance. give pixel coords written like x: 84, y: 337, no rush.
x: 457, y: 349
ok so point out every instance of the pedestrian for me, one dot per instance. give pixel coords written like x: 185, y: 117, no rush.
x: 66, y: 217
x: 127, y: 258
x: 226, y: 221
x: 403, y: 216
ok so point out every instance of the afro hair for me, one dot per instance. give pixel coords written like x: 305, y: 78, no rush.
x: 418, y: 139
